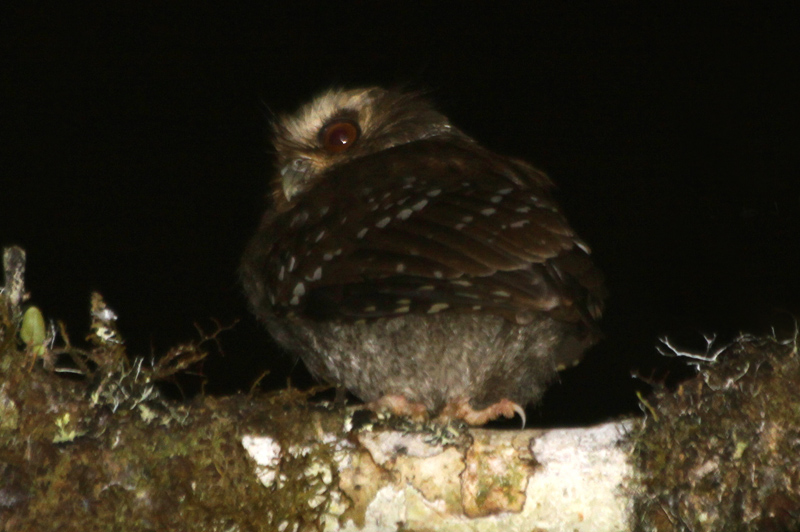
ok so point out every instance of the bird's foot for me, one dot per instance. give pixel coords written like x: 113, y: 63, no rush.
x: 461, y: 409
x: 400, y: 406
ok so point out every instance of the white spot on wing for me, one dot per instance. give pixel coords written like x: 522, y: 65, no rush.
x: 437, y: 307
x: 496, y: 199
x: 316, y: 276
x: 488, y: 212
x: 299, y: 218
x: 404, y: 214
x: 292, y: 263
x: 523, y: 209
x: 362, y: 233
x: 435, y: 192
x: 319, y: 236
x: 383, y: 222
x: 520, y: 223
x: 418, y: 206
x: 400, y: 268
x: 469, y: 295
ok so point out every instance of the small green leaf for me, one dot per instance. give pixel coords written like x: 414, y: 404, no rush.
x: 33, y: 331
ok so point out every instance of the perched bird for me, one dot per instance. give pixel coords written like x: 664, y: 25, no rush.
x: 406, y: 263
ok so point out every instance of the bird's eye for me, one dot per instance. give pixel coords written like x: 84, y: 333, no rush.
x: 339, y: 135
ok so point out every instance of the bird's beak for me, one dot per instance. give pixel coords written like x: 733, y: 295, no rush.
x: 294, y: 176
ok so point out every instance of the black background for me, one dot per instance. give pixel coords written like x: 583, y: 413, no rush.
x: 135, y: 157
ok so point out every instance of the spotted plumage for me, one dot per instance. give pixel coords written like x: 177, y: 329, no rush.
x: 402, y: 259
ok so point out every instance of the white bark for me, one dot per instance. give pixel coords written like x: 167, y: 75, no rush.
x: 569, y: 480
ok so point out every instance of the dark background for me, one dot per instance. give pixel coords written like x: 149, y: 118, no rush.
x: 135, y: 158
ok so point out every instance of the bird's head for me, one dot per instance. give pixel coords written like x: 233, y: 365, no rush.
x: 342, y: 125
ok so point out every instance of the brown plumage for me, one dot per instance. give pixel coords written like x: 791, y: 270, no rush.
x: 402, y: 260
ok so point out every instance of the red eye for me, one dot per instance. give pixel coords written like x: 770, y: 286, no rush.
x: 339, y: 136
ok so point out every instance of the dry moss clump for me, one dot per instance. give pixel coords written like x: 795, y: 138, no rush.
x: 722, y: 452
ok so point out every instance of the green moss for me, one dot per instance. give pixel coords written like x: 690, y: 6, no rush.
x: 100, y: 449
x: 721, y: 452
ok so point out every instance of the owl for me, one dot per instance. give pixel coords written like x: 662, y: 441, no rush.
x: 406, y: 263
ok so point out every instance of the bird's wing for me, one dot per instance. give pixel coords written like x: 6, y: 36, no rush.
x: 427, y: 227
